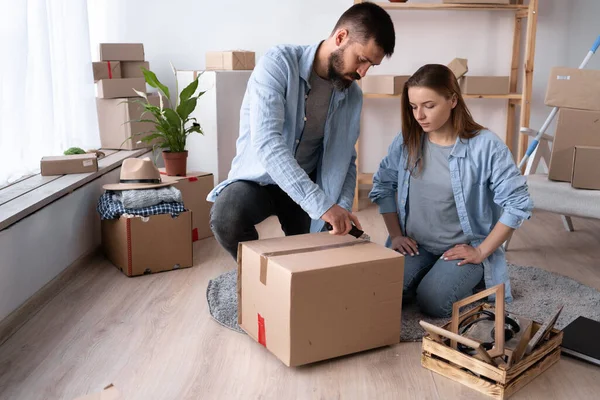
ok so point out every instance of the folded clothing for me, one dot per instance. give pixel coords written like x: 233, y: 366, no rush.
x: 108, y: 208
x: 148, y: 197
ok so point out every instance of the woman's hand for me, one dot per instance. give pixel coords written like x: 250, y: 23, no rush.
x: 468, y: 254
x: 405, y: 245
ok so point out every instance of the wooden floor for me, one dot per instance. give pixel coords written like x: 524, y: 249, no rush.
x: 153, y: 338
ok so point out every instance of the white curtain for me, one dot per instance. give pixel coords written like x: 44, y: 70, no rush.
x: 47, y: 95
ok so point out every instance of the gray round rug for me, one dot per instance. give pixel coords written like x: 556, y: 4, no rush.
x: 537, y: 294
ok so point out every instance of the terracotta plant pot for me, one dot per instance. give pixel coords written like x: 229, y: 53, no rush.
x: 175, y: 163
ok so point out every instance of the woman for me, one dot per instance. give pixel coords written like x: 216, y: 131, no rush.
x: 459, y: 195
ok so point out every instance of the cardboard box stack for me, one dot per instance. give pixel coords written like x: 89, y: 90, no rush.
x: 478, y: 85
x: 383, y: 84
x: 117, y: 74
x: 313, y: 297
x: 576, y: 93
x: 230, y: 60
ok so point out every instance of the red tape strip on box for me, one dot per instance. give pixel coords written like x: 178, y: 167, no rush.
x: 109, y: 70
x: 261, y: 331
x: 194, y: 234
x: 193, y: 179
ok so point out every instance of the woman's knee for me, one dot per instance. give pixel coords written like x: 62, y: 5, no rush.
x: 434, y: 302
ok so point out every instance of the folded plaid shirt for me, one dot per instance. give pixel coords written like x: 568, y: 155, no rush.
x: 111, y: 209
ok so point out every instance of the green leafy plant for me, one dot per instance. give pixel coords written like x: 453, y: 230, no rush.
x: 74, y: 150
x: 172, y: 124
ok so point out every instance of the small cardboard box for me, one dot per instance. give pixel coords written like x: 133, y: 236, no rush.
x: 113, y: 115
x: 115, y: 88
x: 146, y: 245
x: 133, y: 69
x: 484, y: 84
x: 586, y: 167
x: 480, y: 1
x: 109, y: 393
x: 574, y: 128
x: 383, y: 84
x: 195, y: 187
x: 230, y: 60
x: 459, y: 66
x: 73, y: 164
x: 106, y: 70
x: 574, y: 88
x: 313, y: 297
x: 122, y: 52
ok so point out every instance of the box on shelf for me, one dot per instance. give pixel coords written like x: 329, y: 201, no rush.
x: 116, y: 88
x: 230, y: 60
x: 504, y: 2
x: 194, y: 188
x: 122, y: 52
x: 586, y: 165
x: 144, y: 245
x: 459, y: 66
x: 574, y: 88
x: 106, y: 70
x: 313, y: 297
x: 113, y: 115
x: 133, y: 69
x: 484, y: 84
x: 573, y: 128
x: 383, y: 84
x: 73, y: 164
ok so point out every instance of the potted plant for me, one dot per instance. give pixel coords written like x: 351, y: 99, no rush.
x: 172, y: 124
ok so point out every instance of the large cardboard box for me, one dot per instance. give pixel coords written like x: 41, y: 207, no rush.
x: 586, y: 167
x: 484, y: 84
x: 113, y: 115
x: 195, y: 187
x: 574, y: 88
x: 133, y: 69
x: 106, y: 70
x: 73, y: 164
x: 313, y: 297
x: 574, y: 128
x: 122, y: 52
x: 383, y: 84
x: 459, y: 66
x: 145, y: 245
x: 115, y: 88
x: 230, y: 60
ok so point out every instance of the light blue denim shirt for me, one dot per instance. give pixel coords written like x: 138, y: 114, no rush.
x: 487, y: 186
x: 272, y: 119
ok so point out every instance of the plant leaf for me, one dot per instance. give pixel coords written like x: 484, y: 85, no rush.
x: 188, y: 91
x: 186, y: 107
x: 172, y: 117
x: 153, y: 81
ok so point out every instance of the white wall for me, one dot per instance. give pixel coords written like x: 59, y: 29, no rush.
x: 185, y: 29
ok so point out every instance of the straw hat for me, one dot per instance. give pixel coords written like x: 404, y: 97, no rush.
x: 138, y: 173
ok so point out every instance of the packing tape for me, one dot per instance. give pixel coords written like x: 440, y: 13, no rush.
x: 109, y: 70
x: 262, y: 339
x: 264, y: 257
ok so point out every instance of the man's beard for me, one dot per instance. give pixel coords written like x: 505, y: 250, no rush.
x: 336, y: 64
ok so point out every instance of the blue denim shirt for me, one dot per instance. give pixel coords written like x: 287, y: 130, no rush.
x: 272, y: 120
x: 487, y: 186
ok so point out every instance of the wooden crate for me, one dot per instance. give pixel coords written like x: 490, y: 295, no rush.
x: 498, y: 382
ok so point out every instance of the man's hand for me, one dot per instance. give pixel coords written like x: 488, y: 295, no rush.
x: 340, y: 219
x: 405, y: 245
x: 464, y: 252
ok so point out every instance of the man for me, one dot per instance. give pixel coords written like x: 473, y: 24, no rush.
x: 299, y: 123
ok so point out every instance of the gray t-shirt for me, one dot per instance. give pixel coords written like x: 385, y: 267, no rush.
x: 432, y: 218
x: 317, y: 106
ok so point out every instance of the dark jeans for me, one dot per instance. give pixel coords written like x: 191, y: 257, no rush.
x: 242, y: 205
x: 437, y: 284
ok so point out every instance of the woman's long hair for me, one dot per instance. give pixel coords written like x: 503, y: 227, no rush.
x: 443, y: 81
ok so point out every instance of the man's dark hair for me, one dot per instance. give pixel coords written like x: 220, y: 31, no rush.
x: 366, y: 21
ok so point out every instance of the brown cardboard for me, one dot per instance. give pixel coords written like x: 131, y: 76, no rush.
x: 109, y: 393
x: 573, y: 128
x: 106, y: 70
x: 459, y: 66
x: 113, y: 115
x: 115, y: 88
x: 586, y: 167
x: 574, y: 88
x: 133, y: 69
x: 484, y: 84
x: 122, y: 52
x: 313, y: 297
x: 230, y: 60
x: 383, y: 84
x: 194, y: 188
x: 73, y: 164
x: 480, y: 1
x: 158, y: 243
